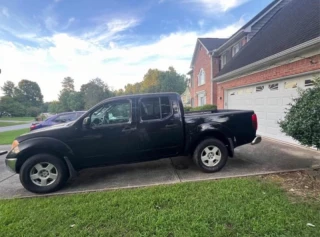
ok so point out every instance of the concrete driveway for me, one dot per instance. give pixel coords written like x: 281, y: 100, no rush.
x: 266, y: 157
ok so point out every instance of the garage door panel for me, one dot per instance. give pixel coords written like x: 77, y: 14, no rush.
x: 269, y: 101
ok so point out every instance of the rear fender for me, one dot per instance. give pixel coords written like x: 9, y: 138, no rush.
x: 211, y: 130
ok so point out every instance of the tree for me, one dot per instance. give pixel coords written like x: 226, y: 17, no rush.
x: 8, y: 88
x: 11, y: 106
x: 171, y: 81
x: 54, y: 107
x: 68, y: 84
x: 158, y: 81
x: 75, y: 102
x: 95, y: 91
x: 302, y: 120
x: 28, y: 93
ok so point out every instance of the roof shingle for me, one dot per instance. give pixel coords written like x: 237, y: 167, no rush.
x: 212, y: 43
x: 296, y: 23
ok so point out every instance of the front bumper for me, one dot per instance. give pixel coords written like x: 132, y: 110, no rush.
x: 11, y: 164
x: 256, y: 140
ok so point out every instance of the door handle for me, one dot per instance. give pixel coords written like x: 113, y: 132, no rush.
x: 171, y: 125
x: 128, y: 129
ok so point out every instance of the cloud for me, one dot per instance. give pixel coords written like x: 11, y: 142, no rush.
x: 212, y: 6
x: 4, y: 11
x: 108, y: 30
x: 85, y: 58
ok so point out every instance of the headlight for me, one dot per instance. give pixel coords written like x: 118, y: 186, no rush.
x: 15, y: 143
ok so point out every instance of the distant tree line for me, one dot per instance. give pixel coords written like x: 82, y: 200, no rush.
x: 26, y: 99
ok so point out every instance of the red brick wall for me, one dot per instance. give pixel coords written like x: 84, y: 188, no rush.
x: 202, y: 61
x: 293, y: 68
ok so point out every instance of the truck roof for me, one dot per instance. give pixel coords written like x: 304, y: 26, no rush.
x: 139, y: 95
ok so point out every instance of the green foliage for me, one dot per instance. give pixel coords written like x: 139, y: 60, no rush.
x: 203, y: 108
x: 227, y: 207
x: 33, y: 111
x: 157, y: 81
x: 187, y: 108
x: 9, y: 136
x: 8, y: 88
x: 68, y: 84
x: 54, y: 107
x: 19, y: 100
x: 94, y: 92
x: 28, y: 93
x: 302, y: 120
x: 11, y: 106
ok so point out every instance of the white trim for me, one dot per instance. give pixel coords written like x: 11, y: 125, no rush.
x: 275, y: 79
x: 200, y: 74
x: 267, y: 61
x: 201, y: 92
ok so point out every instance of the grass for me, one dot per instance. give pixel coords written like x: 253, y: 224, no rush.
x: 6, y: 124
x: 27, y: 119
x: 9, y: 136
x: 230, y: 207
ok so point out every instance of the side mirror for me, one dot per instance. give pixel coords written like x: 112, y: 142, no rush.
x: 86, y: 121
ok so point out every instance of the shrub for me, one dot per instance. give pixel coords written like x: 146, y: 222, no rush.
x: 187, y: 108
x: 204, y: 107
x: 302, y: 120
x: 33, y: 111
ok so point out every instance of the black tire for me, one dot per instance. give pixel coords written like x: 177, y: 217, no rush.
x: 60, y: 167
x: 200, y: 149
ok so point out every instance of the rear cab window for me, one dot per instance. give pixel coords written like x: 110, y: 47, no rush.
x: 155, y: 108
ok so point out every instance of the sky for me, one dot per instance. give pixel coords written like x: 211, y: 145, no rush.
x: 117, y: 41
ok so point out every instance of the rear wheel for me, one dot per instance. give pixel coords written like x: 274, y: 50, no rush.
x: 210, y: 155
x: 43, y: 173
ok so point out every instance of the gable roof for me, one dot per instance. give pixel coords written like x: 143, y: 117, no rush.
x: 209, y: 44
x: 212, y: 43
x: 296, y: 23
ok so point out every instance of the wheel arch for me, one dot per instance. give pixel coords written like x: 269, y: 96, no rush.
x: 43, y: 145
x: 213, y: 134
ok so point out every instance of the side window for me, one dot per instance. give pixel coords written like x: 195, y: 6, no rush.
x: 116, y: 112
x: 165, y: 107
x: 62, y: 118
x: 150, y: 108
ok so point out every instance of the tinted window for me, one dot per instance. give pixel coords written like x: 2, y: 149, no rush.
x: 112, y: 113
x: 65, y: 118
x: 165, y: 107
x: 150, y: 108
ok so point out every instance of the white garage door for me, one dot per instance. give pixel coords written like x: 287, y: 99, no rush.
x: 269, y: 101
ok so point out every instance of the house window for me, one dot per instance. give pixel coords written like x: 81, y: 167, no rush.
x: 201, y: 99
x: 273, y: 87
x: 259, y: 88
x: 290, y: 85
x: 201, y: 77
x: 308, y: 83
x: 235, y: 49
x: 223, y: 60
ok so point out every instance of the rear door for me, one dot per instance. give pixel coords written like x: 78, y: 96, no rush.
x: 160, y: 127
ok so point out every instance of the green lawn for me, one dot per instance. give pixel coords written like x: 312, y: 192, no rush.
x: 27, y: 119
x: 230, y: 207
x: 8, y: 137
x: 6, y: 124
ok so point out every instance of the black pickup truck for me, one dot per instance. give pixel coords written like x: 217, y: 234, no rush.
x: 129, y: 129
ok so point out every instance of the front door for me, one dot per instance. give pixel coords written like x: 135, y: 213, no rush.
x: 160, y: 127
x: 109, y: 139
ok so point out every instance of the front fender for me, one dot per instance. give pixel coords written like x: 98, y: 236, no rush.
x: 38, y: 145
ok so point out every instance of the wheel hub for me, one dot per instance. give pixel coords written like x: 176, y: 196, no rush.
x: 43, y: 173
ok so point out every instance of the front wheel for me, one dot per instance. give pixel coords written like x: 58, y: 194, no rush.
x: 210, y: 155
x: 43, y: 173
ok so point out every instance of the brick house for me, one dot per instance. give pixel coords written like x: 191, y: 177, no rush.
x: 262, y: 65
